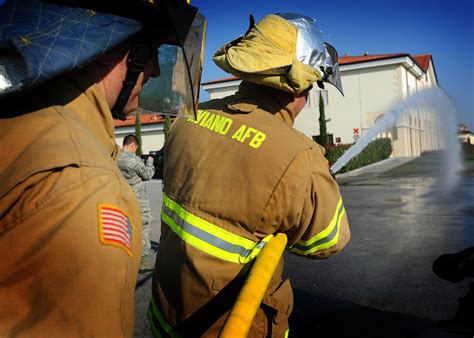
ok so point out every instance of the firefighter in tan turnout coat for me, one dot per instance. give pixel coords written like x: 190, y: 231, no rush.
x: 70, y: 228
x: 239, y: 173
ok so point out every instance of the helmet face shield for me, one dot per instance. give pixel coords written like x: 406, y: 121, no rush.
x: 312, y: 50
x: 176, y: 90
x: 332, y: 68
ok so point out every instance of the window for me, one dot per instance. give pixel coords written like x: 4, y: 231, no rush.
x: 324, y: 94
x: 313, y: 98
x: 330, y: 139
x: 309, y: 101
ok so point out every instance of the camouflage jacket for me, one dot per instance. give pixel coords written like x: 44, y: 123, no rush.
x: 135, y: 172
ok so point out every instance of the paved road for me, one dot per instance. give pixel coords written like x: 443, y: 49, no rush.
x: 381, y: 285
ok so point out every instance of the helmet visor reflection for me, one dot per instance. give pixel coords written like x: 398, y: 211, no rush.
x: 176, y: 91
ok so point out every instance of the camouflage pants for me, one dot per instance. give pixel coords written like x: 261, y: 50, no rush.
x: 147, y: 220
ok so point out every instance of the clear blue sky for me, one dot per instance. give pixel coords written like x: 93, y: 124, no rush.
x: 444, y: 28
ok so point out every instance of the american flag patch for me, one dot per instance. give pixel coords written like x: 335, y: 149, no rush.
x: 115, y: 227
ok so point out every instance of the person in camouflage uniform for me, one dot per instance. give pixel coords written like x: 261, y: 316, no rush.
x: 135, y: 172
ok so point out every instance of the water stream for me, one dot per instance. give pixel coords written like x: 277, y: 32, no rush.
x: 438, y: 105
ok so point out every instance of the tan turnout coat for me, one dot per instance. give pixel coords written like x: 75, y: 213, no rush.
x: 242, y: 168
x: 62, y: 273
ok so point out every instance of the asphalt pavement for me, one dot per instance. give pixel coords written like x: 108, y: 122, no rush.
x: 402, y: 217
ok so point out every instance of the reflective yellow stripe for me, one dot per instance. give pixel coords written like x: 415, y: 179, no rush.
x: 153, y: 312
x: 199, y: 243
x: 326, y: 238
x: 327, y: 231
x: 208, y: 237
x: 207, y: 226
x: 287, y: 332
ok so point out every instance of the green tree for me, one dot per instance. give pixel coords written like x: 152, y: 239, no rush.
x: 166, y: 130
x: 138, y: 133
x: 323, y: 134
x: 167, y: 126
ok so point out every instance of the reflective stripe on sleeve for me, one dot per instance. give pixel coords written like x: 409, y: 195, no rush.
x: 157, y: 322
x: 208, y: 237
x: 325, y: 239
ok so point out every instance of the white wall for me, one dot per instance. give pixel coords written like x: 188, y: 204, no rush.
x: 418, y: 132
x: 367, y: 94
x: 153, y: 137
x: 219, y: 93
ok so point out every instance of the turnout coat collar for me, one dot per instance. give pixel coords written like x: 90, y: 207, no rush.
x: 251, y: 96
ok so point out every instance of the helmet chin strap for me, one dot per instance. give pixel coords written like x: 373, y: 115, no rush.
x: 140, y: 54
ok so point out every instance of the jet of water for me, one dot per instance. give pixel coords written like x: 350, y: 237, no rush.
x: 433, y: 101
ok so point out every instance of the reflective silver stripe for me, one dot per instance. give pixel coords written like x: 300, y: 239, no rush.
x: 326, y: 239
x: 210, y: 238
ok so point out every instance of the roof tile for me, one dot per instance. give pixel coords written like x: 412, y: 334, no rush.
x: 144, y: 119
x: 423, y: 60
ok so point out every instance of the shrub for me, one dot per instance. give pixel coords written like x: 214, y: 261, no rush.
x: 333, y: 153
x: 375, y: 151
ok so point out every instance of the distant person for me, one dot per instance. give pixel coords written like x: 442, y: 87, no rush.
x: 239, y: 174
x: 135, y: 172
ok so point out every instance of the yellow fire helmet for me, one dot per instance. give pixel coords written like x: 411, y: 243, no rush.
x: 284, y: 51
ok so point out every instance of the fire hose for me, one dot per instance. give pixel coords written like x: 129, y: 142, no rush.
x: 248, y: 301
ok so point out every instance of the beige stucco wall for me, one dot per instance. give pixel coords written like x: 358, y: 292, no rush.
x: 367, y: 94
x: 419, y: 131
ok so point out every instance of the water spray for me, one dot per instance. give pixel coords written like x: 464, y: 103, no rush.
x: 430, y: 101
